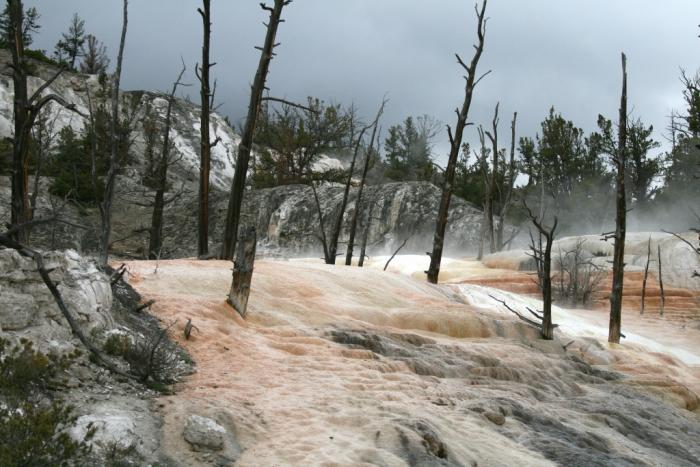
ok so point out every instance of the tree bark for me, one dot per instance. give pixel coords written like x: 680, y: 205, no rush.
x: 358, y: 201
x: 543, y: 259
x: 114, y: 162
x: 245, y: 147
x: 662, y: 303
x: 491, y: 192
x: 205, y: 140
x: 243, y: 271
x: 365, y: 235
x: 20, y: 148
x: 322, y: 237
x: 621, y: 218
x: 455, y: 147
x: 646, y: 275
x: 338, y: 225
x: 155, y: 241
x: 505, y: 206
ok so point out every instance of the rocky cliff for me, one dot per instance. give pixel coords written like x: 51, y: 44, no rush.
x: 286, y: 217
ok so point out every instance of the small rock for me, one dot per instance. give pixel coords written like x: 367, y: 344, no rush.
x: 204, y: 433
x: 695, y: 324
x: 495, y: 417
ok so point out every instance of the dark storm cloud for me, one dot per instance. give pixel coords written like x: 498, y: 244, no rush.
x: 542, y: 53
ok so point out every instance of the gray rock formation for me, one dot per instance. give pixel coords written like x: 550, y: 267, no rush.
x: 29, y: 310
x: 204, y: 433
x: 285, y: 217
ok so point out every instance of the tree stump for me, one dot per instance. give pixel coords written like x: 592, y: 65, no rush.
x: 243, y: 271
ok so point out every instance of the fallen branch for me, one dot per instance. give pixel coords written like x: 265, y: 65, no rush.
x: 75, y: 329
x: 143, y: 306
x: 521, y: 316
x: 396, y: 252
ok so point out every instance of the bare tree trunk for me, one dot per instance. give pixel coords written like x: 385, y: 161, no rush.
x: 544, y: 258
x: 206, y: 145
x: 484, y: 165
x: 365, y: 235
x: 621, y: 221
x: 455, y: 147
x: 662, y: 304
x: 358, y: 201
x: 26, y: 109
x: 114, y: 160
x: 500, y: 244
x: 396, y: 253
x: 155, y: 241
x: 322, y: 237
x: 244, y: 148
x: 20, y: 148
x: 243, y: 271
x: 337, y: 227
x: 491, y: 192
x: 646, y: 275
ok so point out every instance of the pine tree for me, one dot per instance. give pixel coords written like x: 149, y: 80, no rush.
x: 70, y: 46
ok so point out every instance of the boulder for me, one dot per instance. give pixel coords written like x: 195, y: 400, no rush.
x: 204, y: 433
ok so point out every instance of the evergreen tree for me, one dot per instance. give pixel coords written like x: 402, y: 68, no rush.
x: 408, y: 149
x: 29, y: 28
x: 70, y: 46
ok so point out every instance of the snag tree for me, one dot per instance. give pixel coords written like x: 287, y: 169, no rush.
x: 245, y: 147
x: 455, y: 146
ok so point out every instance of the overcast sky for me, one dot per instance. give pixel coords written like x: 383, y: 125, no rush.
x: 561, y: 53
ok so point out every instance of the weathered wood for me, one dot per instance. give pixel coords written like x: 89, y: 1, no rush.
x: 243, y: 271
x: 205, y: 144
x: 322, y: 228
x: 621, y: 217
x: 505, y: 205
x: 456, y: 147
x: 396, y: 253
x: 358, y: 201
x: 365, y: 234
x: 544, y: 264
x: 338, y: 224
x: 155, y: 240
x: 493, y: 180
x: 245, y: 147
x: 662, y: 304
x: 114, y: 162
x: 646, y: 275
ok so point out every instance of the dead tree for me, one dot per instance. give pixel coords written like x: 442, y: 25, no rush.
x: 365, y: 168
x: 482, y: 158
x: 206, y: 145
x: 245, y: 147
x: 338, y: 225
x: 646, y: 276
x: 578, y: 277
x: 662, y: 303
x: 243, y: 271
x: 155, y: 241
x: 544, y: 257
x: 455, y: 146
x: 365, y: 235
x: 506, y: 202
x: 114, y: 159
x: 26, y: 109
x: 493, y: 180
x: 396, y: 252
x: 620, y: 161
x: 322, y: 237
